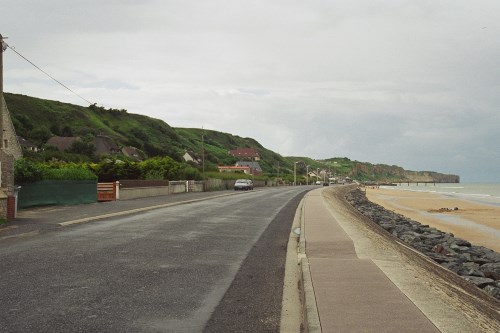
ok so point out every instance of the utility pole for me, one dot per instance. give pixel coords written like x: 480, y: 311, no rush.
x: 278, y: 178
x: 3, y: 47
x: 294, y: 173
x: 203, y: 152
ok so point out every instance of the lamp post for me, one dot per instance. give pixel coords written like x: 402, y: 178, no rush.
x: 203, y: 152
x: 294, y: 173
x: 278, y: 177
x: 307, y: 174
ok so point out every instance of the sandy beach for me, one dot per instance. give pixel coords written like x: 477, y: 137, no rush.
x: 478, y: 223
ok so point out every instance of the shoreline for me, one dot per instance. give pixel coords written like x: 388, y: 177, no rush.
x: 474, y: 221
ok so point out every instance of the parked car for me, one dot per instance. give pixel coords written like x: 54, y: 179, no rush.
x: 243, y: 184
x: 318, y: 182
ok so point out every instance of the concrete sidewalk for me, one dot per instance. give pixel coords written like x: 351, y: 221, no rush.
x: 349, y: 294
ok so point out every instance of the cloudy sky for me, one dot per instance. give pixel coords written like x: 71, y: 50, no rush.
x: 411, y: 83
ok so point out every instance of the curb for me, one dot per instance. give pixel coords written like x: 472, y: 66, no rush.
x: 137, y: 210
x: 291, y: 305
x: 310, y: 309
x: 311, y: 315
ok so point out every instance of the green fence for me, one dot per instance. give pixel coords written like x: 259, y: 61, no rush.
x: 57, y: 192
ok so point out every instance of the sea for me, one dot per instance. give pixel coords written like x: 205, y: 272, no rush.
x: 486, y: 193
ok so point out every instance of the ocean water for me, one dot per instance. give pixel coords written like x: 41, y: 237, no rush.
x: 487, y: 193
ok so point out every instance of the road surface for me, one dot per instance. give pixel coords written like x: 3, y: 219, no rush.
x: 214, y: 265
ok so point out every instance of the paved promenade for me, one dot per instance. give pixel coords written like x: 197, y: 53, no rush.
x: 352, y: 294
x: 357, y: 278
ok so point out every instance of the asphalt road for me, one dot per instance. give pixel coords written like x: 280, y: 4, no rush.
x: 214, y: 265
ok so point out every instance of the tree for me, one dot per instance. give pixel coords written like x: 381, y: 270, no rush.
x: 40, y: 135
x: 83, y: 147
x: 113, y: 170
x: 55, y: 129
x: 66, y: 131
x: 167, y: 167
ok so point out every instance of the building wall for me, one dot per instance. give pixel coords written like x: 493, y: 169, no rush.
x: 9, y: 135
x: 7, y: 170
x: 9, y: 152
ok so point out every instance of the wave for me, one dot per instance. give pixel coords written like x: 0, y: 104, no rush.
x: 487, y: 194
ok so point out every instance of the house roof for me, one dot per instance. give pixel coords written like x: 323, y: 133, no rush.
x: 191, y: 154
x: 104, y: 145
x: 25, y: 143
x: 62, y: 142
x: 132, y: 152
x: 253, y: 165
x: 244, y: 152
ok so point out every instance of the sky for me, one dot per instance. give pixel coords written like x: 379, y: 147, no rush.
x: 408, y: 83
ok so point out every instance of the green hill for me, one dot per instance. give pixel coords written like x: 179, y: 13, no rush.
x: 37, y: 120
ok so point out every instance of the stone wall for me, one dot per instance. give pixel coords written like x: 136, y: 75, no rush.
x: 142, y: 192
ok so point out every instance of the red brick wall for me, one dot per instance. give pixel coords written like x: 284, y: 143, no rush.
x: 11, y: 207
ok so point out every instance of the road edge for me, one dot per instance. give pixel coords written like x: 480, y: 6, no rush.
x: 310, y: 308
x: 299, y: 311
x: 291, y: 306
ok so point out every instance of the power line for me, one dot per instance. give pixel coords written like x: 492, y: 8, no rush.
x: 44, y: 72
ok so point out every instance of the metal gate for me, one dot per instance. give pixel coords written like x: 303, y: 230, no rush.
x: 106, y: 192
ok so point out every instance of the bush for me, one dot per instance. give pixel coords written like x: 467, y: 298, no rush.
x: 107, y: 170
x: 112, y: 170
x: 190, y: 173
x: 167, y: 167
x: 69, y: 174
x: 153, y: 175
x: 26, y: 171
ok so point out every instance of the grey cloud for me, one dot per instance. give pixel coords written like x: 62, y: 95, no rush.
x: 408, y: 83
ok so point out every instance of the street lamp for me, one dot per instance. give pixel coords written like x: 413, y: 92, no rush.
x: 203, y: 151
x: 307, y: 174
x: 278, y: 178
x: 294, y: 173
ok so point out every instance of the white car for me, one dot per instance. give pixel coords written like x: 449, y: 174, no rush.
x: 243, y: 184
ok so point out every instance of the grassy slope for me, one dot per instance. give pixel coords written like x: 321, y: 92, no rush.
x: 31, y: 115
x: 36, y: 118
